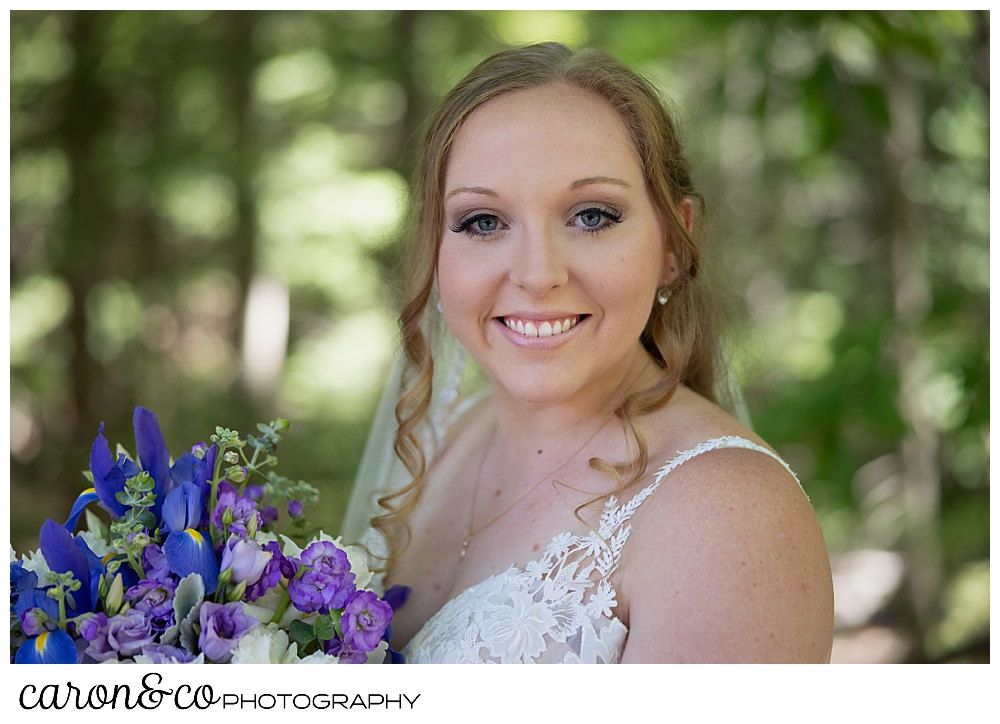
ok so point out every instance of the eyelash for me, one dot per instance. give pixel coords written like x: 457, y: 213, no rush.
x: 610, y: 215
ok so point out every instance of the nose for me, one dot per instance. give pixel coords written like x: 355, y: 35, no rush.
x: 539, y: 265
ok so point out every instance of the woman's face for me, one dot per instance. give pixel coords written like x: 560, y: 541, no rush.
x: 552, y: 249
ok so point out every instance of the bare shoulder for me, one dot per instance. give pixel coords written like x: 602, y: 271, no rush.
x: 726, y: 560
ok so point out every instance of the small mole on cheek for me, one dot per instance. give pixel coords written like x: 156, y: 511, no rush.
x: 539, y: 452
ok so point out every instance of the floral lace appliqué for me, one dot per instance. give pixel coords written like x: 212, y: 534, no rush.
x: 560, y: 607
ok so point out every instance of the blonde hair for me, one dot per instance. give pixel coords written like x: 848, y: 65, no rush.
x: 678, y: 335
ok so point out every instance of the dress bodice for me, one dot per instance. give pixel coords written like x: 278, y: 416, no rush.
x: 558, y: 608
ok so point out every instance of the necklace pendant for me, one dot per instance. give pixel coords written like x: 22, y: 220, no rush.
x: 465, y: 548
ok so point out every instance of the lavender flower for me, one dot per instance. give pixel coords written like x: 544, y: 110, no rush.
x: 254, y: 492
x: 295, y: 508
x: 327, y: 582
x: 30, y: 623
x: 268, y: 515
x: 241, y: 511
x: 91, y: 625
x: 156, y: 600
x: 154, y: 563
x: 124, y: 635
x: 344, y: 651
x: 270, y: 576
x: 364, y: 620
x: 222, y: 625
x: 246, y: 559
x: 164, y: 654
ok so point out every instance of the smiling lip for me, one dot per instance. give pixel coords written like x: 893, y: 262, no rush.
x: 548, y: 326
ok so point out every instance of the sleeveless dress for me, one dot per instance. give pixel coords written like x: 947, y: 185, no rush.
x: 558, y: 608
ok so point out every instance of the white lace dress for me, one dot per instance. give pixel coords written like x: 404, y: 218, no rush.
x: 558, y: 608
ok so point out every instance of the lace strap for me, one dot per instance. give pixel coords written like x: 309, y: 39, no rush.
x: 615, y: 516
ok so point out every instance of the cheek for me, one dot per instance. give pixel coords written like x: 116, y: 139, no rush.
x: 461, y: 287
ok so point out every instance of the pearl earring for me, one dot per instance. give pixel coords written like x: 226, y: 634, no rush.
x: 662, y: 295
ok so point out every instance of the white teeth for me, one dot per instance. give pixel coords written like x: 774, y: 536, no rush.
x: 541, y: 329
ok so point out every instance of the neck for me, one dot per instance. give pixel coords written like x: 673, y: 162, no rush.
x: 525, y: 427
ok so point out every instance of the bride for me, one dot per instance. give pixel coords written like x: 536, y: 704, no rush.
x: 598, y: 504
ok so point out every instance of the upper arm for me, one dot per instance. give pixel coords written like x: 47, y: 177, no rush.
x: 726, y: 563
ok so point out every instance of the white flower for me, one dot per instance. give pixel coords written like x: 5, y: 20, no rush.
x: 264, y: 537
x: 265, y: 645
x: 358, y: 559
x: 96, y: 543
x: 378, y: 655
x: 317, y: 658
x: 35, y: 561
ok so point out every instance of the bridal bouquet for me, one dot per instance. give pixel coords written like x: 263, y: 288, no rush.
x: 190, y: 569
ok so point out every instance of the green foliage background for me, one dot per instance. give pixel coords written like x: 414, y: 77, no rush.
x: 163, y: 164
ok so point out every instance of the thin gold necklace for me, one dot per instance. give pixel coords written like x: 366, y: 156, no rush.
x: 475, y: 490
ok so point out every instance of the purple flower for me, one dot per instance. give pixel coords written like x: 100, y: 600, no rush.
x: 327, y: 582
x: 156, y: 600
x: 268, y: 515
x: 254, y: 492
x: 243, y: 511
x: 222, y: 625
x: 344, y: 651
x: 295, y: 508
x: 91, y: 625
x: 30, y: 623
x: 164, y: 654
x: 364, y: 620
x: 246, y: 559
x: 154, y: 563
x: 124, y: 635
x: 270, y: 576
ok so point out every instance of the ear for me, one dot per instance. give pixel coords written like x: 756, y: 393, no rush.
x: 670, y: 267
x: 686, y: 209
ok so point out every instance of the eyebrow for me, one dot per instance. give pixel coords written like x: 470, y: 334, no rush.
x: 590, y: 180
x: 599, y: 180
x: 481, y: 190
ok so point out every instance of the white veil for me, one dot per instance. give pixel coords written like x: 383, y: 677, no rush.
x: 381, y: 472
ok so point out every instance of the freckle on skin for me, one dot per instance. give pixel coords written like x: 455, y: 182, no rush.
x: 437, y: 586
x: 771, y: 636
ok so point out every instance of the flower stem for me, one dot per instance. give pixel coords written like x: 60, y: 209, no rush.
x: 282, y: 605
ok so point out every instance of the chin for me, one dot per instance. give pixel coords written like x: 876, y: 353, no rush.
x: 535, y: 387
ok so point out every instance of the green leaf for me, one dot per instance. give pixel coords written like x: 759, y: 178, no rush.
x: 301, y: 632
x: 323, y: 628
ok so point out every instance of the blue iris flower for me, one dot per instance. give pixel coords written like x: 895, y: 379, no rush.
x: 82, y: 501
x: 25, y: 593
x: 187, y: 551
x: 49, y: 647
x: 110, y: 475
x: 64, y: 553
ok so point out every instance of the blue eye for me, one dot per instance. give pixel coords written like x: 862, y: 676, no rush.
x: 478, y: 225
x: 596, y: 219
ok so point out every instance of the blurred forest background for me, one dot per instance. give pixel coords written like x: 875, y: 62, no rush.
x: 203, y: 218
